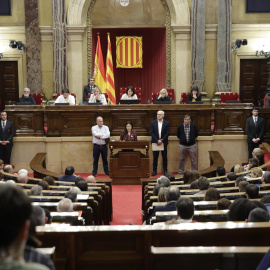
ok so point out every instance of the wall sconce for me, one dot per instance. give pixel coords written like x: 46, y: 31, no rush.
x: 16, y: 44
x: 263, y: 53
x: 236, y: 46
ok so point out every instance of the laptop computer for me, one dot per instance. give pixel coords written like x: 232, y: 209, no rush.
x: 129, y: 101
x: 60, y: 104
x: 194, y: 102
x: 162, y: 102
x: 94, y: 103
x: 233, y: 101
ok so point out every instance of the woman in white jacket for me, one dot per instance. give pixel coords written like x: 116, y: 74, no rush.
x: 97, y: 96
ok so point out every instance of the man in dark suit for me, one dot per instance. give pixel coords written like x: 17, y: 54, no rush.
x: 187, y: 133
x: 160, y: 131
x: 6, y: 138
x: 89, y: 88
x: 172, y: 195
x: 254, y: 131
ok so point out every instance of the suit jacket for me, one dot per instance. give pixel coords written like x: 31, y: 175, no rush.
x: 190, y: 97
x: 8, y: 133
x: 87, y: 90
x: 170, y: 206
x: 253, y: 131
x: 165, y: 131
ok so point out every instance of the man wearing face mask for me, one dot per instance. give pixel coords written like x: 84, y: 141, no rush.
x: 26, y: 97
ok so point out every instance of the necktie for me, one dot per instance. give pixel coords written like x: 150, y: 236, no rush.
x: 3, y: 126
x: 255, y: 121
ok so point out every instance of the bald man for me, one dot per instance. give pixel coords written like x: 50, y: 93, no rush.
x: 100, y: 133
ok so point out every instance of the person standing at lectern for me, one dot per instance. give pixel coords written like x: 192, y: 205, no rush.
x: 128, y: 134
x: 6, y: 138
x: 160, y: 131
x: 100, y: 133
x: 88, y: 89
x: 254, y: 131
x: 187, y: 133
x: 26, y: 97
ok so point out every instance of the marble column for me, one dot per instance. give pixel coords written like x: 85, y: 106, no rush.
x: 198, y: 44
x: 59, y: 46
x: 223, y: 81
x: 32, y: 34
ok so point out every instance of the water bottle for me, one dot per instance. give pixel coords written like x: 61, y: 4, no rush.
x: 80, y: 102
x: 148, y: 101
x: 181, y: 101
x: 48, y: 102
x: 9, y: 102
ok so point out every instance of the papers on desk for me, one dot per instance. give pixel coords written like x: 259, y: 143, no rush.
x: 156, y: 147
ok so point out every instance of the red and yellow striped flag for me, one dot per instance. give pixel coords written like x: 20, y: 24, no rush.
x: 99, y: 71
x: 129, y: 52
x: 110, y: 89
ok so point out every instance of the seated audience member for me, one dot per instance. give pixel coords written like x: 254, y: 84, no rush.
x: 197, y: 174
x: 172, y: 195
x: 38, y: 218
x: 258, y: 154
x: 252, y: 163
x: 242, y: 186
x: 163, y: 97
x: 266, y: 177
x: 130, y: 93
x: 8, y: 169
x: 221, y: 171
x: 12, y: 182
x: 203, y: 185
x: 238, y: 168
x: 90, y: 179
x: 212, y: 194
x: 65, y: 98
x: 23, y: 171
x: 194, y: 185
x: 72, y: 195
x: 69, y: 175
x: 265, y: 199
x: 252, y: 191
x: 223, y: 204
x: 48, y: 219
x: 1, y: 164
x: 156, y: 189
x: 239, y: 179
x: 231, y: 176
x: 256, y: 172
x: 98, y: 97
x: 2, y: 177
x: 44, y: 185
x: 170, y: 176
x: 188, y: 177
x: 36, y: 191
x: 78, y: 179
x: 185, y: 211
x: 49, y: 180
x: 162, y: 194
x: 128, y: 134
x: 22, y: 178
x: 164, y: 180
x: 82, y: 185
x: 15, y: 211
x: 265, y: 262
x: 194, y: 95
x: 65, y: 205
x: 26, y: 97
x: 258, y: 215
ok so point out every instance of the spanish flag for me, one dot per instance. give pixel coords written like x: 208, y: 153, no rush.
x: 99, y: 71
x: 110, y: 89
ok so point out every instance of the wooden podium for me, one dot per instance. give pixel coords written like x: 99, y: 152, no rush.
x: 128, y: 166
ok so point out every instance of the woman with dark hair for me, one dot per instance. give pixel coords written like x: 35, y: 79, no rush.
x: 188, y: 177
x: 130, y: 93
x: 212, y: 194
x: 128, y: 134
x: 194, y: 94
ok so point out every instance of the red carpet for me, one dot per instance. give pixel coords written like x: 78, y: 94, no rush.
x: 126, y: 204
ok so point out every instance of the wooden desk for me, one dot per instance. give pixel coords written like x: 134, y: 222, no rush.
x: 128, y: 167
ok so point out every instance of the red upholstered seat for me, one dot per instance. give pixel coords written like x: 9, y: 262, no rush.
x: 171, y: 94
x: 223, y: 97
x: 265, y: 101
x: 153, y: 97
x: 38, y: 98
x: 184, y: 98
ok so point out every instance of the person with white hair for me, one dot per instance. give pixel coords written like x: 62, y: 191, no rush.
x: 65, y: 205
x: 22, y: 178
x: 22, y: 171
x: 90, y: 179
x: 26, y: 97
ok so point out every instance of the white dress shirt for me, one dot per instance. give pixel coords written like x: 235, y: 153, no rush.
x: 61, y: 99
x: 102, y: 134
x: 159, y: 128
x: 125, y: 96
x: 102, y: 99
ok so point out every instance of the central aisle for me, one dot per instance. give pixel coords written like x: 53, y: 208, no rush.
x: 126, y: 201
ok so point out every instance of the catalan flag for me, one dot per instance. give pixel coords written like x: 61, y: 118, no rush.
x: 99, y: 71
x: 129, y: 52
x: 110, y: 89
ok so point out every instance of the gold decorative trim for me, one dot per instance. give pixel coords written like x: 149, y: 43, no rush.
x: 168, y: 40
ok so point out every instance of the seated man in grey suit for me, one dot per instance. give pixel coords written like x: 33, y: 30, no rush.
x: 172, y: 195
